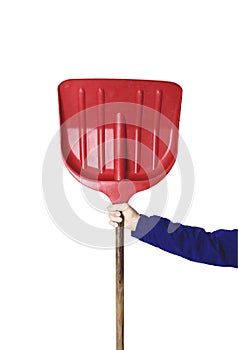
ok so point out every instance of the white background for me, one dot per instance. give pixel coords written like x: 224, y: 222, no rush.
x: 55, y: 293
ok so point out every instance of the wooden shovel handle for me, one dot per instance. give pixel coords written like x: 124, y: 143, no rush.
x: 120, y: 287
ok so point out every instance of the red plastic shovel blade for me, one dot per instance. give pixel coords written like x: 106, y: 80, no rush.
x: 119, y: 136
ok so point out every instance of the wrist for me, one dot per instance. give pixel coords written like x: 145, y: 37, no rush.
x: 135, y: 222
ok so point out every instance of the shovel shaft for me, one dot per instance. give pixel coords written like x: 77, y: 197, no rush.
x: 120, y: 287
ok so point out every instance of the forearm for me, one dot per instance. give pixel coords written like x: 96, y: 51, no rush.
x: 193, y: 243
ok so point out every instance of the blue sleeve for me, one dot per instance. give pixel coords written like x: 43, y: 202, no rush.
x: 193, y: 243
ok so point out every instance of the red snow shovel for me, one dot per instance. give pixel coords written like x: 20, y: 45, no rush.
x: 119, y: 137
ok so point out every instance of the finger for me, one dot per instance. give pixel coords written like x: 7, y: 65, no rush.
x: 115, y: 218
x: 115, y: 213
x: 114, y: 224
x: 117, y: 207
